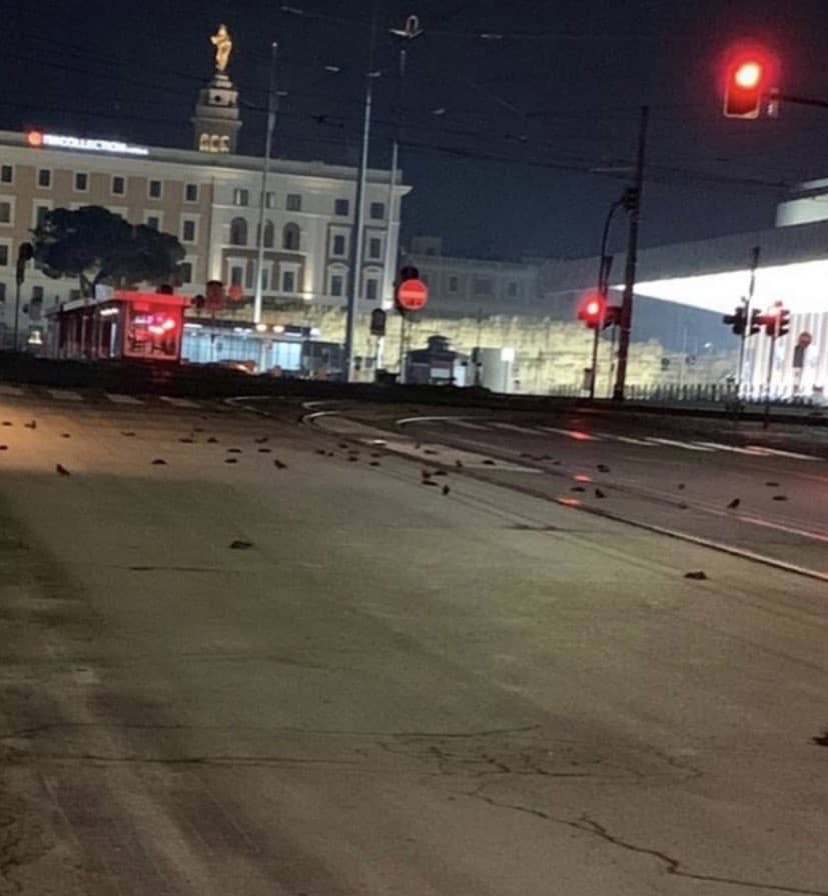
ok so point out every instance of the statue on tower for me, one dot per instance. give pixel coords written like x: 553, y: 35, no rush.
x: 223, y: 44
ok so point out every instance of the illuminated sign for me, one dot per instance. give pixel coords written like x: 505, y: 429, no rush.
x: 214, y: 143
x: 40, y: 140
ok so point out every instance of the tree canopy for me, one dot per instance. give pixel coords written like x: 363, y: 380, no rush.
x: 97, y: 246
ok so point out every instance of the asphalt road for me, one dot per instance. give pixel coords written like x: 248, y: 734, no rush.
x: 384, y: 689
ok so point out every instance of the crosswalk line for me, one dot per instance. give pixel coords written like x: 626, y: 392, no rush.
x: 577, y: 434
x: 735, y: 449
x: 117, y: 398
x: 179, y: 402
x: 673, y: 443
x: 513, y: 427
x: 778, y: 452
x: 11, y: 391
x: 65, y: 395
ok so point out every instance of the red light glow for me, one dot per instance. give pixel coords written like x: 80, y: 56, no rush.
x: 748, y: 75
x: 34, y: 138
x: 593, y: 308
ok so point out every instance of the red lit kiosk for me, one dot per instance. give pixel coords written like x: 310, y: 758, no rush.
x: 119, y: 324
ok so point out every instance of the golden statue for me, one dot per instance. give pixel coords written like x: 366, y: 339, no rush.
x: 223, y: 44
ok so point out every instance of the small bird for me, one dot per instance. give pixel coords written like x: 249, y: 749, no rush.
x: 682, y: 506
x: 446, y: 490
x: 239, y: 545
x: 577, y: 488
x: 4, y: 447
x: 425, y: 474
x: 556, y: 463
x: 7, y: 423
x: 734, y: 504
x: 321, y: 451
x: 429, y: 482
x: 65, y: 435
x: 699, y: 575
x: 331, y: 454
x: 602, y: 468
x: 439, y: 473
x: 187, y: 440
x: 374, y: 463
x: 430, y: 451
x: 198, y: 429
x: 343, y: 445
x: 32, y: 425
x: 780, y: 497
x: 231, y: 460
x: 262, y: 440
x: 127, y: 433
x: 488, y: 462
x: 59, y: 468
x: 599, y: 493
x: 352, y: 459
x: 458, y: 464
x: 280, y: 465
x: 264, y: 450
x: 159, y: 462
x: 821, y: 740
x: 234, y: 451
x: 772, y: 484
x: 680, y: 486
x: 212, y: 440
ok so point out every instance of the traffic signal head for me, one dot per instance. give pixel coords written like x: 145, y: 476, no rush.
x: 755, y: 322
x: 784, y: 322
x: 409, y: 272
x: 591, y: 311
x: 737, y: 321
x: 746, y: 82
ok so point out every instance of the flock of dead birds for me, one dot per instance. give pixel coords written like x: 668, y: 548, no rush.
x: 428, y: 477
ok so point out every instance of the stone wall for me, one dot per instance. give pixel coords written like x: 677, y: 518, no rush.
x: 549, y: 354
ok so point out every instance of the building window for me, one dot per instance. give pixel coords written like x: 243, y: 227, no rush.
x: 5, y: 211
x: 241, y: 197
x: 453, y: 285
x: 377, y: 211
x: 238, y: 232
x: 250, y: 274
x: 371, y: 289
x: 482, y: 286
x: 4, y: 255
x: 188, y: 230
x: 40, y: 214
x: 236, y: 275
x: 154, y: 222
x: 154, y: 189
x: 513, y: 289
x: 269, y: 240
x: 288, y: 281
x: 265, y: 278
x: 44, y: 177
x: 2, y: 293
x: 270, y: 199
x: 293, y: 202
x: 342, y: 207
x: 81, y: 181
x: 375, y: 247
x: 191, y: 193
x: 185, y: 272
x: 338, y: 247
x: 118, y: 185
x: 6, y: 174
x: 290, y: 237
x: 337, y: 283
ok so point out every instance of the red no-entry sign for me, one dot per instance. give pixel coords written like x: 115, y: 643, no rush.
x: 412, y: 295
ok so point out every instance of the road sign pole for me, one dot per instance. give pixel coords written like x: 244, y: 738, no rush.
x: 754, y: 263
x: 766, y: 420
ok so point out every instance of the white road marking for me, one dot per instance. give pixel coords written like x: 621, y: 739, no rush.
x: 576, y: 434
x: 117, y: 398
x: 718, y: 446
x: 777, y: 452
x: 11, y: 391
x: 629, y: 440
x: 672, y: 443
x: 179, y: 402
x: 447, y: 456
x: 467, y: 424
x: 512, y: 427
x: 65, y: 395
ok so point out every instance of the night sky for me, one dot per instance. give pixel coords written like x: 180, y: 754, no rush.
x: 499, y: 136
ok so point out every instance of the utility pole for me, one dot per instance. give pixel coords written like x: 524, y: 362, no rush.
x: 272, y: 109
x: 634, y: 207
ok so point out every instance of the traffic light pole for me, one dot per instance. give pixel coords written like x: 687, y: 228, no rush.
x: 774, y: 337
x: 754, y: 263
x: 632, y: 260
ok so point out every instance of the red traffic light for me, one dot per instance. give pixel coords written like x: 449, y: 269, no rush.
x: 749, y: 75
x: 591, y: 311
